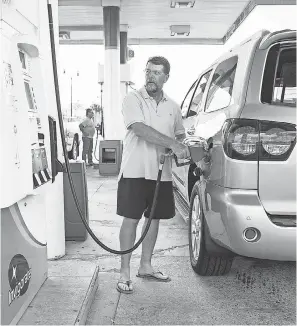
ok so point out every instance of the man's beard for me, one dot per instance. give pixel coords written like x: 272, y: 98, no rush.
x: 151, y: 88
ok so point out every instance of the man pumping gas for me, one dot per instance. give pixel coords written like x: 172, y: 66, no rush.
x: 154, y: 126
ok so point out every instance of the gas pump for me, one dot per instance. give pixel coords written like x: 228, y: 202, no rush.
x: 28, y: 165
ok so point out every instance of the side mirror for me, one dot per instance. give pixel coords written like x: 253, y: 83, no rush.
x: 192, y: 113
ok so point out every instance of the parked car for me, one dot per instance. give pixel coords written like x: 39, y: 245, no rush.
x: 72, y: 136
x: 243, y: 201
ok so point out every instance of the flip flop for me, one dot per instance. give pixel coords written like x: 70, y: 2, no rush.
x: 127, y: 283
x: 155, y: 276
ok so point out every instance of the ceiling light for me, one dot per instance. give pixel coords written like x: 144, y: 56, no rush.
x: 182, y: 4
x: 180, y: 30
x: 64, y: 35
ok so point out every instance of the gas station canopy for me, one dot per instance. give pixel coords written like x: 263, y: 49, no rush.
x: 158, y: 21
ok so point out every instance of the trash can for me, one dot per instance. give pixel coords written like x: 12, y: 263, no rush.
x: 110, y: 157
x: 74, y: 228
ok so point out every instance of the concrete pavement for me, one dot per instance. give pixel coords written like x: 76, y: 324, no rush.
x: 254, y: 292
x: 61, y: 297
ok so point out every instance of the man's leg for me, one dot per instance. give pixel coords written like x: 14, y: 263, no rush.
x: 90, y: 151
x: 127, y: 240
x: 85, y: 148
x: 148, y: 246
x: 165, y: 209
x: 131, y: 203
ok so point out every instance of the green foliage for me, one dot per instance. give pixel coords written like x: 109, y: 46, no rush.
x: 97, y: 108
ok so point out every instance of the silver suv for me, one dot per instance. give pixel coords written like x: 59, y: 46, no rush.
x: 242, y: 200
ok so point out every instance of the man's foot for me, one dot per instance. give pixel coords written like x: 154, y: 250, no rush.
x: 150, y: 274
x: 155, y: 276
x: 125, y: 286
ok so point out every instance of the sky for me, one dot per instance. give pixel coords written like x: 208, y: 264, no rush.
x: 187, y: 61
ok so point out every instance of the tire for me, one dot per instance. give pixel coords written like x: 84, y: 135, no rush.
x: 73, y: 154
x: 203, y: 262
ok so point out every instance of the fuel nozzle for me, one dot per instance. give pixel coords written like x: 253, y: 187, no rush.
x: 198, y: 148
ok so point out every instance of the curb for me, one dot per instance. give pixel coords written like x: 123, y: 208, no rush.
x: 89, y: 297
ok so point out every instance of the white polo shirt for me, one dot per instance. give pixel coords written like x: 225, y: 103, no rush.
x: 140, y: 158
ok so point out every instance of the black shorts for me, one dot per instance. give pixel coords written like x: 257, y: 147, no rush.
x: 135, y: 197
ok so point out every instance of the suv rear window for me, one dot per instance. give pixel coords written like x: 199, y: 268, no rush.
x: 220, y: 91
x: 279, y: 81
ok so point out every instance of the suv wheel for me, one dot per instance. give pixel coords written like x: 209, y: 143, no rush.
x: 203, y: 263
x: 73, y: 154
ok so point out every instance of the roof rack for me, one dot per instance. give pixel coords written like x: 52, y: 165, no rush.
x: 275, y: 36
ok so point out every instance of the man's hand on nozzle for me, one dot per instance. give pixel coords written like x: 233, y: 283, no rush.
x: 180, y: 150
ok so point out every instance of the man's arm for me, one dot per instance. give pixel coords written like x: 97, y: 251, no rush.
x: 81, y: 127
x: 153, y: 136
x: 180, y: 137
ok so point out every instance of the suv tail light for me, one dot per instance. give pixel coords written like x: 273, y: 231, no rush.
x: 253, y: 140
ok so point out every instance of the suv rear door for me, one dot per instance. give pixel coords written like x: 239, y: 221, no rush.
x: 277, y: 154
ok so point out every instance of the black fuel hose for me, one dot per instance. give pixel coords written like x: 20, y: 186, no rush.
x: 95, y: 149
x: 60, y: 118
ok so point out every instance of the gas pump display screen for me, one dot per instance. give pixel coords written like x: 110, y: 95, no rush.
x: 29, y: 96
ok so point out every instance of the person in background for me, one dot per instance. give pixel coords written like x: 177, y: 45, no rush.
x: 87, y: 127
